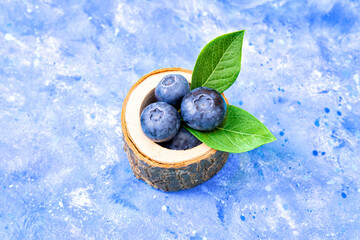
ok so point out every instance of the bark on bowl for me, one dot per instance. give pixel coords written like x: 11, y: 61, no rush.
x: 161, y: 168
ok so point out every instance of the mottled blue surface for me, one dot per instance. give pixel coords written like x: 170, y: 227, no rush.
x: 66, y: 66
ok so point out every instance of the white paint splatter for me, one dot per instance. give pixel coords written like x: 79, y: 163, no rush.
x: 129, y: 18
x: 332, y: 181
x: 284, y: 213
x: 80, y: 198
x: 75, y: 230
x: 356, y: 79
x: 316, y: 74
x: 36, y: 62
x: 11, y: 98
x: 118, y: 131
x: 322, y: 5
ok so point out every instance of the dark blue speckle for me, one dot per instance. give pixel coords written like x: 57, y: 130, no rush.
x: 323, y: 153
x: 242, y: 217
x: 114, y: 94
x: 327, y: 110
x: 339, y: 113
x: 315, y: 153
x: 68, y: 79
x: 240, y: 103
x: 343, y: 195
x: 124, y: 202
x: 281, y: 100
x: 220, y: 210
x: 173, y: 233
x: 281, y: 133
x: 196, y: 237
x: 317, y: 123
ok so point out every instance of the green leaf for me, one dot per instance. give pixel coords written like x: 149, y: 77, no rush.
x: 239, y: 132
x: 219, y: 63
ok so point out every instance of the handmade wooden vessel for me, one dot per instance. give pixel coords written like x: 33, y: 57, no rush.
x: 162, y: 168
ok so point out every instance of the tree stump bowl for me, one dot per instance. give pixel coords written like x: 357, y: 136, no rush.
x: 162, y: 168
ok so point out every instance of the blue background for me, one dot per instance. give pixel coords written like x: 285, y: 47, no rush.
x: 65, y: 69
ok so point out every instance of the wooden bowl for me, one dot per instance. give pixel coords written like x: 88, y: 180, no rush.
x: 162, y: 168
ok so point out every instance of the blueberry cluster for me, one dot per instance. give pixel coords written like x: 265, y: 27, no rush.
x: 202, y: 109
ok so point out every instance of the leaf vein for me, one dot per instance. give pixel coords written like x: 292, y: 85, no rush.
x: 220, y: 60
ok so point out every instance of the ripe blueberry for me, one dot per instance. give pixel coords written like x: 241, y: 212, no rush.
x: 183, y: 140
x: 203, y: 109
x: 171, y: 89
x: 160, y: 121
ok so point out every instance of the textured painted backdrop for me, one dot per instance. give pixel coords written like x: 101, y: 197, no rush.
x: 66, y: 66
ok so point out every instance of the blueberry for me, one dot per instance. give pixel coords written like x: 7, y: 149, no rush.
x: 171, y: 89
x: 160, y: 121
x: 203, y: 109
x: 183, y: 140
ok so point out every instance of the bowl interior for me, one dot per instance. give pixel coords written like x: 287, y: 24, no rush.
x: 149, y: 98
